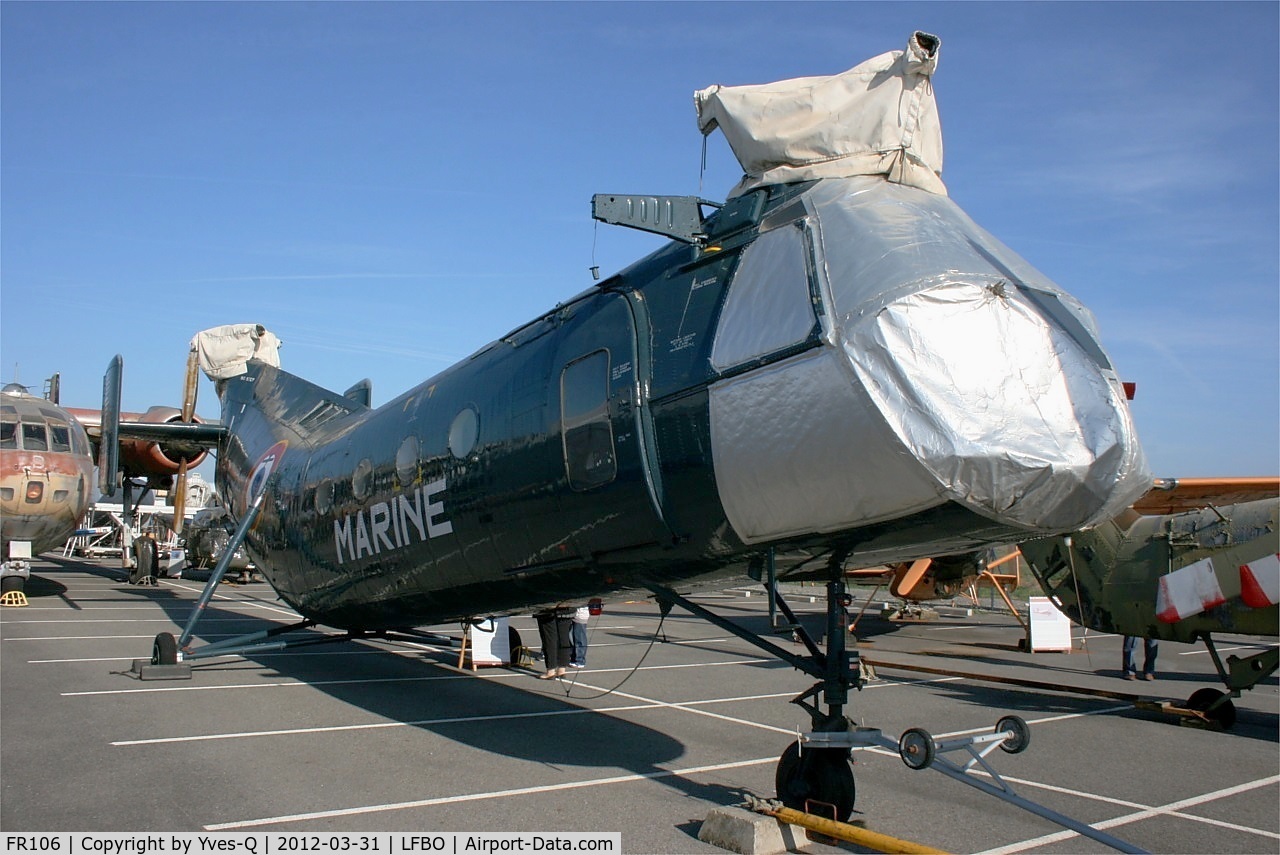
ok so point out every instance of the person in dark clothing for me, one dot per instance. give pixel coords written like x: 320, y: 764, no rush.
x: 555, y: 628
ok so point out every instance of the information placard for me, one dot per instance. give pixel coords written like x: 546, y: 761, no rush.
x: 1050, y: 628
x: 490, y: 642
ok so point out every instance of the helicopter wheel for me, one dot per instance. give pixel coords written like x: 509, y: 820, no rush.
x: 165, y: 650
x: 1223, y: 715
x: 818, y: 775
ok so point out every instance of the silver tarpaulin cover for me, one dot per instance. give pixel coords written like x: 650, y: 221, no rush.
x: 957, y: 373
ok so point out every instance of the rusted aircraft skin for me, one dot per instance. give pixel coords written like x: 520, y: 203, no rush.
x: 1117, y: 567
x: 46, y: 473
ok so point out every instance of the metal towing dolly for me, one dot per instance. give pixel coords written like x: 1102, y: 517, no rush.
x: 816, y: 769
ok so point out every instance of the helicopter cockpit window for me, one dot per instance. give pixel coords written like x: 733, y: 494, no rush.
x: 770, y: 304
x: 8, y: 434
x: 584, y: 411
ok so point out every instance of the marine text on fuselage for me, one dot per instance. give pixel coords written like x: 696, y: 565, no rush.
x: 385, y: 526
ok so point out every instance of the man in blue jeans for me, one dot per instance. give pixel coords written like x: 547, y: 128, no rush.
x: 580, y: 618
x: 1149, y: 648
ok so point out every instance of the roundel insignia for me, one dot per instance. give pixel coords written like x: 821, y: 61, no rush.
x: 262, y: 470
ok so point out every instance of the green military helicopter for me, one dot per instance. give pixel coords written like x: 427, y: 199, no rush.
x: 1192, y: 558
x: 836, y: 363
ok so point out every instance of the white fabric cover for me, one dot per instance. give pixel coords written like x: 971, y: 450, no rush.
x: 224, y: 351
x: 878, y: 118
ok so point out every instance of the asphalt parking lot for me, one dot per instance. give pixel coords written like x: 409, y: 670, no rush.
x: 669, y: 720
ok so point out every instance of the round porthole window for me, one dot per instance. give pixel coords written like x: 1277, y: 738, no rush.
x: 360, y: 479
x: 324, y: 496
x: 407, y: 461
x: 463, y: 433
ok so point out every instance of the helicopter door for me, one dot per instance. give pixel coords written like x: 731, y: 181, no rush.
x: 609, y: 498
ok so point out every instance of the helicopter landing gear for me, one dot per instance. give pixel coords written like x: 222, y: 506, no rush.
x: 812, y: 775
x: 1215, y: 705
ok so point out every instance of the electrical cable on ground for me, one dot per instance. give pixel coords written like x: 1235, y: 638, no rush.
x: 568, y: 691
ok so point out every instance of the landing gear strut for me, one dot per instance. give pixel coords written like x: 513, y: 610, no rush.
x: 814, y: 773
x: 1238, y: 674
x: 815, y: 768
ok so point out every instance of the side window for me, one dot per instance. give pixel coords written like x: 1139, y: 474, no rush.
x: 60, y: 437
x: 8, y: 434
x: 80, y: 443
x: 770, y: 304
x: 584, y: 412
x: 34, y: 437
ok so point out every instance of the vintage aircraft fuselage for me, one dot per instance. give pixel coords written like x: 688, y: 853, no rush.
x: 844, y: 366
x: 46, y: 472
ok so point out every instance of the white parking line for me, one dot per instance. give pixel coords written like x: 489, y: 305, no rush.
x: 79, y: 608
x: 356, y: 681
x: 427, y: 722
x: 169, y: 621
x: 74, y: 637
x: 1204, y: 651
x: 1170, y: 809
x: 497, y: 794
x: 523, y: 791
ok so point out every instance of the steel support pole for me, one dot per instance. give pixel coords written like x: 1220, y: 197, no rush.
x: 242, y: 531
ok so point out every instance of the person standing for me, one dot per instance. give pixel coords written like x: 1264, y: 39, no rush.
x: 580, y: 618
x: 554, y: 629
x: 1150, y: 647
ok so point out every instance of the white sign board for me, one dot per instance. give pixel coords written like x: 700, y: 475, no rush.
x: 1050, y: 628
x: 491, y: 643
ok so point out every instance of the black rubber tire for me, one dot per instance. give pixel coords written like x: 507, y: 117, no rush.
x: 915, y: 747
x: 1223, y: 715
x: 818, y: 775
x: 146, y: 560
x: 1021, y: 734
x: 11, y: 583
x: 165, y: 650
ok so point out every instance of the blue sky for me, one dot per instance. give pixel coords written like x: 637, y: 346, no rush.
x: 390, y: 186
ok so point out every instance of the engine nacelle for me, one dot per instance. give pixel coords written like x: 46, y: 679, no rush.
x: 159, y: 462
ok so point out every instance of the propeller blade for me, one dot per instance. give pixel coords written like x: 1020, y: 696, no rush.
x: 180, y: 497
x: 190, y: 388
x: 905, y: 582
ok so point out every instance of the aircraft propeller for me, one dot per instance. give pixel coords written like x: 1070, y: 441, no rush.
x: 189, y: 389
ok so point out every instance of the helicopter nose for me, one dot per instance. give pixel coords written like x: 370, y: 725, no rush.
x: 1010, y: 407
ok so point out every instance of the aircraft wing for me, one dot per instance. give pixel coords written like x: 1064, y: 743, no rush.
x: 185, y: 439
x: 201, y: 434
x: 1175, y: 495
